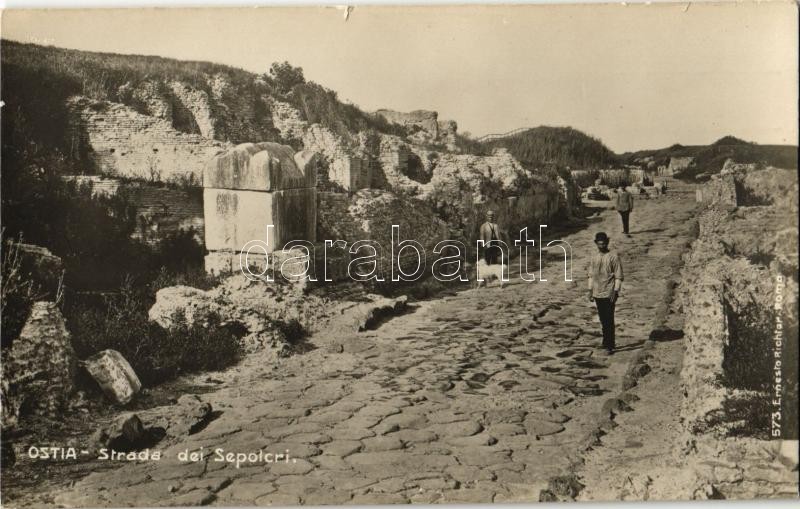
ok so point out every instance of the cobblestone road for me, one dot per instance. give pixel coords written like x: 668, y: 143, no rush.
x: 476, y: 397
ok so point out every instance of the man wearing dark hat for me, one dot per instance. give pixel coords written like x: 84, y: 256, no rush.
x: 605, y: 282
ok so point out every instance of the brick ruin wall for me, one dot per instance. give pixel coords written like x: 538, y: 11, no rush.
x: 346, y: 166
x: 119, y: 141
x: 161, y: 211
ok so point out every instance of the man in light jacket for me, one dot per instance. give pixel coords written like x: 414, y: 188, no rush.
x: 490, y: 233
x: 624, y: 207
x: 605, y: 282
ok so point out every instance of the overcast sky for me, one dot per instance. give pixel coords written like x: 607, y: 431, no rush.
x: 636, y: 77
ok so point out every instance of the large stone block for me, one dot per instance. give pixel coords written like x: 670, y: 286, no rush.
x: 39, y: 371
x: 259, y: 167
x: 234, y: 217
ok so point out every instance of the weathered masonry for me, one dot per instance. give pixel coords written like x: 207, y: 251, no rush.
x: 249, y: 187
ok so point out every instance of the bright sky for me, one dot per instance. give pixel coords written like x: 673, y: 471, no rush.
x: 635, y: 76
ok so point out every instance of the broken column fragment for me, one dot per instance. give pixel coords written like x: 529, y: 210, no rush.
x: 114, y: 375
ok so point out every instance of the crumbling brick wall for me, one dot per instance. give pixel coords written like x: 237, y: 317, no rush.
x: 120, y: 141
x: 162, y: 211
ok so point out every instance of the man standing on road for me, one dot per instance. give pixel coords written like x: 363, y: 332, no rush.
x: 605, y: 282
x: 490, y: 234
x: 624, y: 207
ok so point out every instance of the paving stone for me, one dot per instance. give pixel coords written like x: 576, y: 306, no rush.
x: 326, y: 496
x: 196, y: 497
x: 279, y: 499
x: 480, y: 458
x: 468, y: 474
x: 392, y: 485
x: 244, y: 491
x: 308, y: 438
x: 539, y: 428
x: 457, y: 429
x: 293, y: 467
x: 474, y: 440
x: 413, y: 436
x: 345, y: 433
x: 468, y: 496
x: 330, y: 463
x: 404, y: 420
x: 506, y: 429
x: 295, y: 450
x: 447, y: 416
x: 379, y: 499
x: 342, y: 447
x: 389, y: 443
x: 329, y: 417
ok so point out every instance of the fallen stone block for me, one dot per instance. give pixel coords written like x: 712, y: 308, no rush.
x: 185, y: 418
x: 136, y: 431
x: 193, y: 305
x: 114, y: 375
x: 123, y: 434
x: 39, y: 266
x: 372, y: 314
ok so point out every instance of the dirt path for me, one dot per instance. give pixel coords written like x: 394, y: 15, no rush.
x: 477, y: 397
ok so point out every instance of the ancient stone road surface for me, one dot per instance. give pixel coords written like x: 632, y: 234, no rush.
x: 476, y: 397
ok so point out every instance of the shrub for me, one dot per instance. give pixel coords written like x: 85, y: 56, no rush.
x: 121, y: 323
x: 18, y: 293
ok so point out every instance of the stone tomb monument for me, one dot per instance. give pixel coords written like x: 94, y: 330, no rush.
x: 249, y: 187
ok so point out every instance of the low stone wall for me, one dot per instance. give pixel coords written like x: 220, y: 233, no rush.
x: 464, y: 187
x: 719, y: 191
x: 739, y: 295
x: 610, y: 177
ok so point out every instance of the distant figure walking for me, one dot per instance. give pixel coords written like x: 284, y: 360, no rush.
x: 605, y: 282
x: 490, y: 233
x: 624, y: 207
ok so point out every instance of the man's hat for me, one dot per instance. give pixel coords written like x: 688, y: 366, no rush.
x: 601, y: 236
x: 490, y: 212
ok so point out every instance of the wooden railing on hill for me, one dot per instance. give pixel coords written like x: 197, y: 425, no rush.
x: 490, y: 137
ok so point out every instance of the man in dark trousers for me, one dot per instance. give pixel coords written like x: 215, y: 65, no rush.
x: 624, y: 207
x: 605, y: 282
x: 490, y: 233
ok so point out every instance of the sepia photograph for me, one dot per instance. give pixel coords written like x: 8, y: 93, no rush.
x: 399, y: 254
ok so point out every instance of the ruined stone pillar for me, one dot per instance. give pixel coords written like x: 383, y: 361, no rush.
x: 249, y: 187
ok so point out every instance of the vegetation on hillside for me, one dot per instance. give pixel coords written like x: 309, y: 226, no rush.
x: 709, y: 159
x: 39, y: 80
x: 556, y: 146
